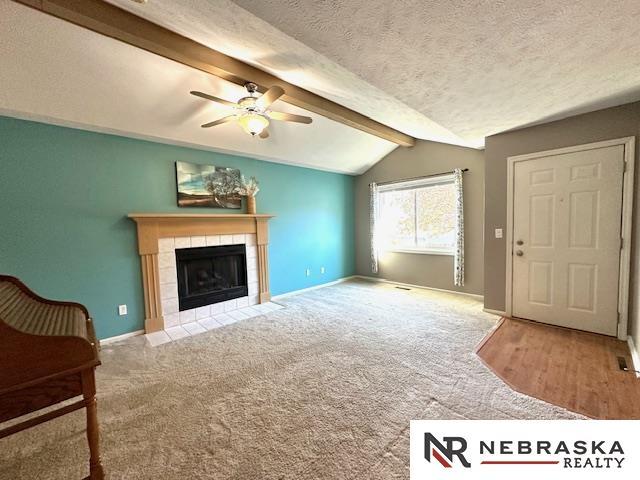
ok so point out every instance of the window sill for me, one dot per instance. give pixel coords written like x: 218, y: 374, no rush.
x: 422, y: 252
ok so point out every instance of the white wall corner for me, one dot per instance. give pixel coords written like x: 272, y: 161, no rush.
x: 635, y: 355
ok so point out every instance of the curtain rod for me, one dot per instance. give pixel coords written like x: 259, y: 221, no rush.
x: 420, y: 178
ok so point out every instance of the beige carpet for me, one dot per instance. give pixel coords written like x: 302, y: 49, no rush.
x: 322, y: 389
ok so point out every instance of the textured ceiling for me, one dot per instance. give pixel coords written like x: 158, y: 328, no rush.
x: 476, y: 67
x: 54, y: 71
x: 431, y: 67
x: 450, y: 71
x: 230, y: 29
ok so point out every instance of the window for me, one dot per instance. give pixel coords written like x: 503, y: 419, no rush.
x: 418, y: 216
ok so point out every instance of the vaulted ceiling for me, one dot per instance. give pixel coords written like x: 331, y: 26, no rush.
x: 476, y: 67
x: 447, y: 71
x: 453, y: 71
x: 57, y: 72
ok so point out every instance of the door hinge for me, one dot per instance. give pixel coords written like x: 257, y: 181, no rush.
x: 624, y: 167
x: 621, y: 243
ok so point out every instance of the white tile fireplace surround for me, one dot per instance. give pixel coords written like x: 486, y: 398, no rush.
x: 169, y: 284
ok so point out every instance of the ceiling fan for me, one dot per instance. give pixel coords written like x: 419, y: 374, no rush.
x: 252, y: 112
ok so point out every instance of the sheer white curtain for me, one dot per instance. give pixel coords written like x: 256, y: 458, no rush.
x: 373, y: 217
x: 374, y: 240
x: 458, y: 262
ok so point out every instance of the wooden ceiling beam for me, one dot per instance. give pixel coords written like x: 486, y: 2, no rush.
x: 114, y: 22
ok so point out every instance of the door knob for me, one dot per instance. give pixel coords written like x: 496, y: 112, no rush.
x: 519, y: 242
x: 519, y: 253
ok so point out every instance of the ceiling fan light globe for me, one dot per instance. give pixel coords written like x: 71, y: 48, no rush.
x: 253, y: 123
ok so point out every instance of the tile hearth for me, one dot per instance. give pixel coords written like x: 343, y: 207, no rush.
x: 211, y: 323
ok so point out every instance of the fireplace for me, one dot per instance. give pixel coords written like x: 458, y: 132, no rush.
x: 208, y: 275
x: 161, y: 234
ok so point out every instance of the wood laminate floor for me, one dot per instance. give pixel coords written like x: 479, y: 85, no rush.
x: 572, y: 369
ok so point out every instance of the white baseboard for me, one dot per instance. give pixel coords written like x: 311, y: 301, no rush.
x: 106, y: 341
x: 500, y: 313
x: 315, y: 287
x: 109, y: 340
x: 410, y: 285
x: 635, y: 355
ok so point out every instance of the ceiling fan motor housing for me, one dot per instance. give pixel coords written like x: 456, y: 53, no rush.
x: 251, y: 87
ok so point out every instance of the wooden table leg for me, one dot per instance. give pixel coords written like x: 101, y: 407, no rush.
x: 89, y: 392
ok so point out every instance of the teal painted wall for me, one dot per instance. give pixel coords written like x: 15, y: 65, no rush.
x: 65, y: 194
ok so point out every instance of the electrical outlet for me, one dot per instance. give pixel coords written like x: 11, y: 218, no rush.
x: 498, y: 233
x: 307, y: 272
x: 122, y: 310
x: 322, y: 270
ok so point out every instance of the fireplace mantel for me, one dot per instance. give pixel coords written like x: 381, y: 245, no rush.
x: 198, y: 215
x: 154, y: 226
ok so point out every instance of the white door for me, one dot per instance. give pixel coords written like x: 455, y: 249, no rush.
x: 567, y: 212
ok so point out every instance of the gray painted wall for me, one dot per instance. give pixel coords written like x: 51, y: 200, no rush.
x: 436, y: 271
x: 606, y: 124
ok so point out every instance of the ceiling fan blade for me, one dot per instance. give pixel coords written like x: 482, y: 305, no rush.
x: 269, y: 97
x: 206, y: 96
x: 220, y: 121
x: 264, y: 133
x: 289, y: 117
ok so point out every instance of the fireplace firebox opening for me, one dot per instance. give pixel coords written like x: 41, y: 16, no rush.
x: 208, y: 275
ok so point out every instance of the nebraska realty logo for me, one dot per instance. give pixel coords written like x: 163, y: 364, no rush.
x: 498, y: 449
x: 456, y: 446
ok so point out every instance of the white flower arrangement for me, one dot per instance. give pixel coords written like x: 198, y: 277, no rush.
x: 248, y: 188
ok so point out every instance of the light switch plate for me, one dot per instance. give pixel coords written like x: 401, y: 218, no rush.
x: 321, y: 269
x: 498, y: 233
x: 122, y: 310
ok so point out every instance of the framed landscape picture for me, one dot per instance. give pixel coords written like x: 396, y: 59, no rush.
x: 207, y: 186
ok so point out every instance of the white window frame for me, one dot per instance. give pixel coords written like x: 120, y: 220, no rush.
x: 447, y: 178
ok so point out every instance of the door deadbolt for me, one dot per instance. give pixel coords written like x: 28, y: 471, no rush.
x: 519, y: 242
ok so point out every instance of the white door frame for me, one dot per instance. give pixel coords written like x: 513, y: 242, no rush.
x: 627, y: 219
